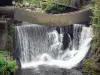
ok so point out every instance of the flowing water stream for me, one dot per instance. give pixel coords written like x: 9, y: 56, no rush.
x: 43, y: 45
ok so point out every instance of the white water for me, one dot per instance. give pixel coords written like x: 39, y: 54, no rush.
x: 42, y: 47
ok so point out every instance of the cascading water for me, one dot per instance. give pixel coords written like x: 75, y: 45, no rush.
x: 42, y: 45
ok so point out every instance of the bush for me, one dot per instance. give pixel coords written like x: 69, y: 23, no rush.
x: 45, y: 4
x: 3, y: 66
x: 50, y: 7
x: 54, y: 9
x: 7, y: 67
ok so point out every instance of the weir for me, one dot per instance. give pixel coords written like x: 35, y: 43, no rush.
x: 42, y: 46
x: 47, y: 19
x: 53, y: 19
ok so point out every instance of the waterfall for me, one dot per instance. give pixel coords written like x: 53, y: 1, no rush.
x: 42, y: 45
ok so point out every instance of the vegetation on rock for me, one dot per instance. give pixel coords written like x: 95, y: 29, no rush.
x: 10, y: 35
x: 92, y: 65
x: 7, y: 67
x: 66, y: 2
x: 48, y: 6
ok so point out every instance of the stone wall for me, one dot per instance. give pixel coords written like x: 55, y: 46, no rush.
x: 4, y: 30
x: 3, y: 36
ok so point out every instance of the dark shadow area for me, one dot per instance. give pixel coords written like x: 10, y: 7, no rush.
x: 6, y: 3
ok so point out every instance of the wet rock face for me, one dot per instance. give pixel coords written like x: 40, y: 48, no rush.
x: 67, y: 35
x: 66, y: 41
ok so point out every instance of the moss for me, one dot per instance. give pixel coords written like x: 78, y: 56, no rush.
x: 87, y: 68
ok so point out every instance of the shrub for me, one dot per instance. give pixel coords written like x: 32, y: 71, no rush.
x: 3, y: 66
x: 7, y: 67
x: 51, y: 7
x: 55, y: 9
x: 45, y: 4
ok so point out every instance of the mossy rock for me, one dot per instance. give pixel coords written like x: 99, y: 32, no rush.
x: 91, y: 68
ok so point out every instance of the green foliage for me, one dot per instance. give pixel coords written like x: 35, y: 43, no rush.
x: 10, y: 35
x: 96, y: 16
x: 37, y: 2
x: 12, y: 66
x: 7, y: 66
x: 95, y: 8
x: 86, y: 66
x: 45, y: 4
x: 11, y: 30
x: 96, y: 39
x: 66, y: 2
x: 51, y: 7
x: 3, y: 64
